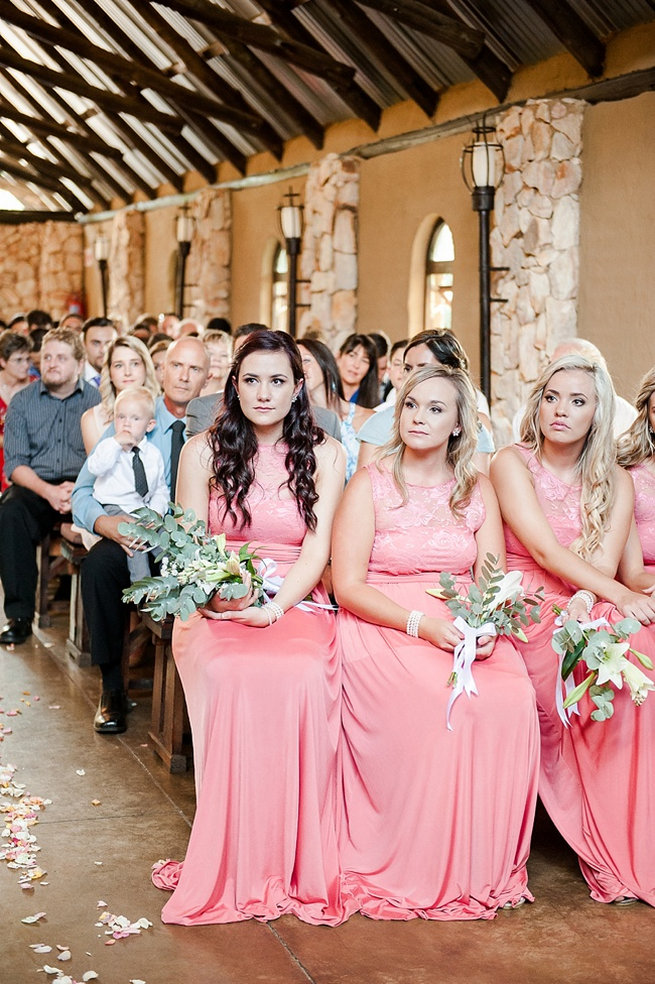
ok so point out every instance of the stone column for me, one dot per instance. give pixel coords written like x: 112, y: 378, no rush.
x: 208, y: 273
x: 536, y: 236
x: 126, y: 268
x: 329, y: 249
x: 40, y: 267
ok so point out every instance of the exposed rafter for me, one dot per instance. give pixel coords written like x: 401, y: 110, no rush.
x: 567, y: 25
x: 465, y: 40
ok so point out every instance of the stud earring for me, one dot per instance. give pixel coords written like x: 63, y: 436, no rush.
x: 457, y: 432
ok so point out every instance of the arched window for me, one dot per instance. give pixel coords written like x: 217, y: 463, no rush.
x: 279, y: 290
x: 439, y: 267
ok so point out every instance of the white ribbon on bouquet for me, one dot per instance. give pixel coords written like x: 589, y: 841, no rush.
x: 463, y: 659
x: 272, y: 582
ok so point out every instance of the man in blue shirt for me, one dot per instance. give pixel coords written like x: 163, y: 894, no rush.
x: 43, y: 454
x: 104, y: 570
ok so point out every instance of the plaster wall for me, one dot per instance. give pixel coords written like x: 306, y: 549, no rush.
x: 617, y: 237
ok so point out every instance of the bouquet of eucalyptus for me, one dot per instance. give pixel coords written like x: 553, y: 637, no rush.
x: 194, y: 564
x: 496, y: 605
x: 603, y: 649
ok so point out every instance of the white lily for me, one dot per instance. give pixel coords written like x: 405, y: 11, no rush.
x: 612, y: 664
x: 509, y: 589
x: 638, y: 682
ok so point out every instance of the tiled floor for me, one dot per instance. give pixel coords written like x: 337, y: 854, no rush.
x: 103, y: 852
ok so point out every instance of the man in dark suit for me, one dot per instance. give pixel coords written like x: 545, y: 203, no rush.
x: 104, y: 570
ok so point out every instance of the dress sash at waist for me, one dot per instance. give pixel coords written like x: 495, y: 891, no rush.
x: 282, y: 553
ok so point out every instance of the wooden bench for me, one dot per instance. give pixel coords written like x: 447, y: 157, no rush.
x: 169, y: 723
x: 51, y: 562
x: 77, y: 644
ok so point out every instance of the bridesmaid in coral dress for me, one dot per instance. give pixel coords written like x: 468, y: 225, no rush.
x: 262, y: 684
x: 568, y: 509
x: 436, y: 823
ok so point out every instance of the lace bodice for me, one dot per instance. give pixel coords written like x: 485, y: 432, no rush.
x: 275, y: 516
x: 559, y: 501
x: 422, y: 535
x: 644, y: 483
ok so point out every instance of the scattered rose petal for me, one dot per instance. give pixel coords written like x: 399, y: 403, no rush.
x: 51, y: 970
x: 80, y: 772
x: 96, y: 802
x: 101, y: 905
x: 98, y: 862
x: 12, y: 714
x: 36, y: 698
x: 135, y: 980
x: 54, y: 707
x: 90, y: 976
x: 109, y: 942
x: 64, y: 955
x: 40, y: 947
x: 34, y: 918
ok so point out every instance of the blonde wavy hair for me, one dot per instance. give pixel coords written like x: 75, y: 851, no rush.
x: 638, y: 442
x: 461, y: 447
x: 598, y: 457
x: 107, y: 388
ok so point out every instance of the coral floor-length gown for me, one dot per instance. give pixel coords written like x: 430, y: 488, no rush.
x: 436, y: 823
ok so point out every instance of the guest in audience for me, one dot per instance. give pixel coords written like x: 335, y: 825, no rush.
x: 167, y: 323
x: 357, y: 364
x: 35, y: 319
x: 97, y: 334
x: 636, y: 452
x: 158, y: 356
x: 382, y: 344
x: 14, y: 376
x: 436, y: 823
x: 43, y: 454
x: 73, y: 321
x: 624, y: 412
x: 18, y: 324
x: 127, y: 364
x: 262, y: 684
x: 219, y: 346
x: 129, y: 469
x: 331, y: 410
x: 219, y: 324
x: 395, y: 375
x: 104, y: 570
x: 35, y: 339
x: 568, y: 509
x: 437, y: 347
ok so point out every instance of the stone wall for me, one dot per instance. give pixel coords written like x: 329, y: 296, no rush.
x: 40, y: 267
x: 328, y: 259
x: 537, y: 215
x: 126, y: 269
x: 208, y: 273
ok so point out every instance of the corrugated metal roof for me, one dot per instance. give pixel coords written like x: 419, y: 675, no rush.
x: 158, y: 59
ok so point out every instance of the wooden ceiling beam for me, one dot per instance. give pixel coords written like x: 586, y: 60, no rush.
x: 116, y: 65
x: 72, y: 82
x: 567, y: 25
x: 13, y: 147
x: 238, y: 29
x: 83, y: 142
x: 91, y: 163
x: 371, y: 38
x: 23, y: 216
x: 353, y: 96
x: 42, y: 181
x: 197, y: 68
x: 465, y: 40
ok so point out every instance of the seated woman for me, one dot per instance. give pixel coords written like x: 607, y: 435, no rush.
x: 568, y: 509
x: 14, y: 376
x: 262, y: 684
x: 127, y: 363
x: 636, y: 452
x: 323, y: 385
x: 436, y: 823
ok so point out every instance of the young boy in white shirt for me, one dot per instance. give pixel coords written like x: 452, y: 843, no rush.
x: 129, y: 469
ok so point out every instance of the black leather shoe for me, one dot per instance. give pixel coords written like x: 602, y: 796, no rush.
x: 110, y: 716
x: 16, y: 630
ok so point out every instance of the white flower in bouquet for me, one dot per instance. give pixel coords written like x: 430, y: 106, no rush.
x: 194, y: 565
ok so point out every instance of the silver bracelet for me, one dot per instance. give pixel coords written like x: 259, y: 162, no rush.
x: 274, y: 609
x: 413, y: 623
x: 586, y: 597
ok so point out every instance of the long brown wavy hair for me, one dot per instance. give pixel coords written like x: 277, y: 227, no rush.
x: 638, y: 442
x: 234, y: 444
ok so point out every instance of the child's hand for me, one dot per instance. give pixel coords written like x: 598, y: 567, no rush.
x: 125, y: 440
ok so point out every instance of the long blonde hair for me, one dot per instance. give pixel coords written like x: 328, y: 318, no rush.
x: 598, y: 456
x: 461, y: 447
x: 107, y: 388
x: 638, y: 442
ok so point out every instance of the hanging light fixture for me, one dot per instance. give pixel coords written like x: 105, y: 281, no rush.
x: 290, y: 222
x: 184, y: 228
x: 483, y: 166
x: 101, y: 247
